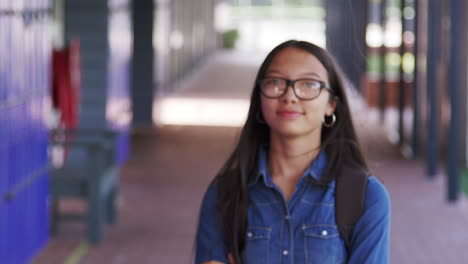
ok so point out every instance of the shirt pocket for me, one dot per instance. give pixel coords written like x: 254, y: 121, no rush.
x: 322, y: 244
x: 257, y: 244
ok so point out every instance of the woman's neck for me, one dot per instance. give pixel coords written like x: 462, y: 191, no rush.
x: 288, y: 158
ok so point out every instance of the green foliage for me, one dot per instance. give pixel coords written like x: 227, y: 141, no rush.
x: 229, y: 38
x: 392, y: 64
x: 464, y: 180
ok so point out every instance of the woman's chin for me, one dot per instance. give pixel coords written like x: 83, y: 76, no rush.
x: 292, y: 132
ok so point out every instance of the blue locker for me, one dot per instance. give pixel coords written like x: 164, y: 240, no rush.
x: 3, y: 50
x: 42, y: 136
x: 28, y: 94
x: 3, y: 182
x: 13, y: 28
x: 34, y: 47
x: 22, y: 54
x: 3, y: 151
x: 42, y: 186
x: 13, y: 152
x: 12, y: 231
x: 16, y: 58
x: 4, y: 24
x: 21, y: 235
x: 24, y: 80
x: 3, y: 230
x: 6, y: 54
x: 17, y: 211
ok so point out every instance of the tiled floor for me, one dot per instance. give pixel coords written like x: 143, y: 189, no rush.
x: 170, y: 167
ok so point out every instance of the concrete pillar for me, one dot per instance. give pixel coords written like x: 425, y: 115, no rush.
x: 88, y: 20
x: 143, y: 62
x: 415, y: 97
x: 457, y: 69
x: 345, y: 30
x: 433, y: 82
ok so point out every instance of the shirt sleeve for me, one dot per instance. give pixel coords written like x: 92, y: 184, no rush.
x: 370, y: 240
x: 210, y: 244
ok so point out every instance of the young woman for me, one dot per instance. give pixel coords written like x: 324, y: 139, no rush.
x: 274, y: 199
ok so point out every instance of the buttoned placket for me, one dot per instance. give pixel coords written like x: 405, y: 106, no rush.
x: 287, y: 235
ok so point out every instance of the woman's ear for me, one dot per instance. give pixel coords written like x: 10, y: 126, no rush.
x: 332, y: 105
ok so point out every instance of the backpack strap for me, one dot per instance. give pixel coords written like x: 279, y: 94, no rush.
x: 349, y: 201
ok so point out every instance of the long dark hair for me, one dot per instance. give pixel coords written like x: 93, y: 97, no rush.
x: 339, y: 142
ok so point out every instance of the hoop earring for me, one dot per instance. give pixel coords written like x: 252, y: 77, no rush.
x: 260, y: 119
x: 332, y: 123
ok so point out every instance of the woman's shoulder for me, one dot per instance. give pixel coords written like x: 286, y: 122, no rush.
x: 211, y: 192
x: 208, y: 205
x: 376, y: 193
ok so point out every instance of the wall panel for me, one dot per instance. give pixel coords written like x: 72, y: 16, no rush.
x: 118, y: 112
x: 24, y: 92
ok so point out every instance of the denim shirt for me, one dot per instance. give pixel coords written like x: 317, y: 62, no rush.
x: 301, y: 230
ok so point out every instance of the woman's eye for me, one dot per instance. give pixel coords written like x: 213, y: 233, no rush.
x: 311, y: 84
x: 275, y: 81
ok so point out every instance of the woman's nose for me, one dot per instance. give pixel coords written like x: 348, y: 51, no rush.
x: 289, y: 96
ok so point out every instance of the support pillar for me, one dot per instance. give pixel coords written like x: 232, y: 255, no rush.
x: 143, y: 63
x: 88, y: 21
x: 346, y: 23
x: 456, y: 70
x: 433, y: 81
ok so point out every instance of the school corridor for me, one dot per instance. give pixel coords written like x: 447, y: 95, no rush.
x: 170, y: 166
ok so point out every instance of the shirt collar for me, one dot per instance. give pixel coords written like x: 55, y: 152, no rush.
x: 315, y: 170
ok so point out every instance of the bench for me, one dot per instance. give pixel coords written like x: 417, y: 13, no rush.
x: 89, y: 172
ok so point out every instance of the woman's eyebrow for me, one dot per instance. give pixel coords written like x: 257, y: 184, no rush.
x: 303, y: 74
x: 272, y: 71
x: 311, y: 74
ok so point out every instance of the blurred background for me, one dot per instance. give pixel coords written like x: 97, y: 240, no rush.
x: 116, y: 115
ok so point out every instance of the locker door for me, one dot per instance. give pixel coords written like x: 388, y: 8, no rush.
x: 4, y: 34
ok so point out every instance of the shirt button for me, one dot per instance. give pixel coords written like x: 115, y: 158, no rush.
x: 324, y: 233
x: 285, y: 252
x: 249, y: 234
x: 287, y: 217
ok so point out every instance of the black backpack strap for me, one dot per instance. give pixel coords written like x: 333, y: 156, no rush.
x: 349, y: 201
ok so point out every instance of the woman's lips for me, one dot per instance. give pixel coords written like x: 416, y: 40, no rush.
x: 289, y: 114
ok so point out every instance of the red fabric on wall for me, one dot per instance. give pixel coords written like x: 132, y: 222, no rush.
x: 66, y: 83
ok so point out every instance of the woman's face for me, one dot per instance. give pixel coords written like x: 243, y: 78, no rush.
x: 288, y: 115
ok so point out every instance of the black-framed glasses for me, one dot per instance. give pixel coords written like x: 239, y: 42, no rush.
x: 304, y: 89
